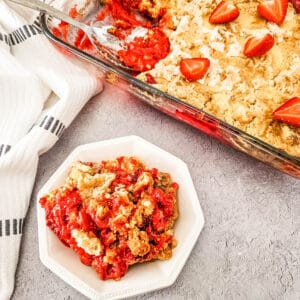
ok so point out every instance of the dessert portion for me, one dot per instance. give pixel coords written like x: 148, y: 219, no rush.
x: 237, y: 60
x: 114, y: 214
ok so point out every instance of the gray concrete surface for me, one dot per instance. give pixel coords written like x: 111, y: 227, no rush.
x: 250, y: 245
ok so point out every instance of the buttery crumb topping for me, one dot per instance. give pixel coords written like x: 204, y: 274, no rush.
x: 241, y: 91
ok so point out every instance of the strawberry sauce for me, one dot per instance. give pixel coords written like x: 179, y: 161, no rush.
x: 141, y: 53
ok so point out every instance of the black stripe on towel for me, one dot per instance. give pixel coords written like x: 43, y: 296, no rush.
x: 10, y: 227
x: 7, y: 227
x: 53, y: 125
x: 20, y: 226
x: 21, y: 34
x: 15, y: 226
x: 37, y: 25
x: 4, y: 149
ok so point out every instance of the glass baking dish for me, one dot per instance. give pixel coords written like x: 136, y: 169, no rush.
x: 182, y: 111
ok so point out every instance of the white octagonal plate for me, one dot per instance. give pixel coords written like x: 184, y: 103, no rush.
x: 143, y: 277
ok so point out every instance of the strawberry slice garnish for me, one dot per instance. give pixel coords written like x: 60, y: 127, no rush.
x: 273, y: 10
x: 257, y: 46
x: 223, y: 13
x: 289, y: 112
x: 194, y: 68
x: 296, y: 4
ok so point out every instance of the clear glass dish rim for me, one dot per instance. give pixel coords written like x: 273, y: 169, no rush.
x: 152, y: 90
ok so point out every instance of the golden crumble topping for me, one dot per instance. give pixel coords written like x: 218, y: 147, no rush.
x: 241, y: 91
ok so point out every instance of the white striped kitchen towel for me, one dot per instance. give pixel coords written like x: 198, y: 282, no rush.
x: 41, y: 92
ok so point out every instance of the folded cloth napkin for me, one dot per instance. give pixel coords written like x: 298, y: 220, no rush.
x: 41, y: 92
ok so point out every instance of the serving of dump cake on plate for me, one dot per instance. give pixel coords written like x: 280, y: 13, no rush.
x: 114, y: 214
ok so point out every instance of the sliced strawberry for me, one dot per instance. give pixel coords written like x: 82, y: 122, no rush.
x: 273, y: 10
x: 257, y: 46
x: 194, y: 68
x: 223, y: 13
x: 296, y: 4
x: 289, y: 112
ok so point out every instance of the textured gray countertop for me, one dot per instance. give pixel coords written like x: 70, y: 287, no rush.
x: 250, y: 245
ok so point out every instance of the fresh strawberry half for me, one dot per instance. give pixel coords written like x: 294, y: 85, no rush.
x: 273, y: 10
x: 223, y: 13
x: 194, y: 68
x: 289, y: 112
x: 257, y: 46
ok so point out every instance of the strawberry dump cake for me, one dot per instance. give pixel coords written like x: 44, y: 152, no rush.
x: 114, y: 214
x: 237, y: 60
